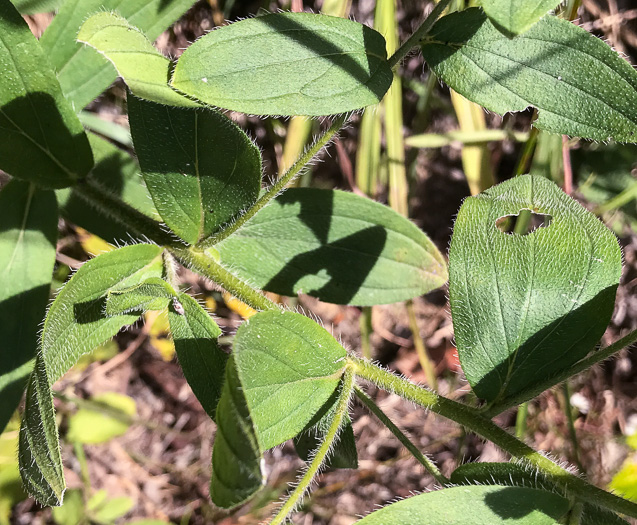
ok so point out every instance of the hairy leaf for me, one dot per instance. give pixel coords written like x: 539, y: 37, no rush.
x: 28, y: 234
x: 117, y: 171
x: 580, y: 86
x: 526, y: 307
x: 195, y: 335
x: 336, y: 246
x: 289, y: 366
x: 513, y: 17
x: 200, y: 168
x: 144, y: 69
x: 236, y: 456
x: 152, y: 294
x: 475, y: 505
x: 82, y: 72
x: 287, y: 64
x: 41, y: 138
x: 75, y: 324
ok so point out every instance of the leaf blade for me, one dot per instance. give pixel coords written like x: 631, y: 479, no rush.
x: 513, y: 17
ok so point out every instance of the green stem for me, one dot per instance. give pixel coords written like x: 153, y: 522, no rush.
x: 568, y: 411
x: 365, y: 322
x: 520, y: 420
x: 425, y: 362
x: 550, y: 382
x: 207, y: 266
x: 527, y: 152
x: 323, y: 450
x: 81, y: 459
x: 278, y: 186
x: 419, y: 34
x: 429, y: 465
x: 474, y: 421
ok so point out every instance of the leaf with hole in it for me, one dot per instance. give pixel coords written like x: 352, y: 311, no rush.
x: 144, y: 69
x: 518, y: 475
x: 337, y: 246
x: 287, y: 64
x: 196, y: 185
x: 28, y: 234
x: 195, y: 335
x: 475, y: 505
x: 236, y: 455
x: 41, y: 138
x: 75, y: 324
x: 526, y: 307
x: 83, y: 73
x: 579, y: 85
x: 117, y: 171
x: 513, y: 17
x: 289, y: 366
x: 152, y: 294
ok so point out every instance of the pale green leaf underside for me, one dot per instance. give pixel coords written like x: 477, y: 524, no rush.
x: 144, y: 69
x: 199, y: 167
x: 475, y: 505
x: 337, y: 246
x: 41, y: 138
x: 526, y: 307
x: 516, y: 16
x: 195, y: 335
x: 75, y: 324
x: 580, y: 86
x: 28, y: 233
x: 289, y: 366
x: 82, y: 72
x: 287, y: 64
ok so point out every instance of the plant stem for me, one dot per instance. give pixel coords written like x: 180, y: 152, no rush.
x: 278, y: 186
x: 429, y: 465
x: 365, y: 321
x: 568, y: 411
x: 207, y: 266
x: 520, y: 420
x: 323, y: 450
x: 425, y: 362
x: 474, y: 421
x: 550, y: 382
x: 419, y: 34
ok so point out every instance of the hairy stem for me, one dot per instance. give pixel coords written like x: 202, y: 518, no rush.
x: 477, y: 423
x: 429, y: 465
x: 418, y: 34
x: 323, y: 450
x: 279, y: 185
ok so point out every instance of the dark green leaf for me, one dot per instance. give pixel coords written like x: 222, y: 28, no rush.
x: 41, y: 139
x: 289, y: 366
x: 195, y: 335
x: 236, y: 456
x: 82, y: 72
x: 287, y: 64
x: 513, y: 17
x: 144, y: 69
x: 580, y: 86
x: 336, y: 246
x: 475, y: 505
x: 199, y: 167
x: 526, y: 307
x: 28, y: 234
x: 74, y: 325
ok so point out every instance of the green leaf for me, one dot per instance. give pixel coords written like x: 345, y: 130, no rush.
x: 236, y: 456
x: 525, y: 307
x: 31, y: 7
x: 516, y: 475
x: 117, y: 171
x: 336, y: 246
x: 82, y: 72
x: 152, y: 294
x: 580, y: 86
x: 195, y: 335
x: 199, y: 167
x: 513, y: 17
x: 74, y: 325
x: 113, y: 509
x: 144, y: 69
x: 95, y: 425
x: 304, y: 364
x: 41, y: 139
x: 625, y: 481
x: 28, y: 235
x: 287, y: 64
x: 475, y: 505
x: 72, y: 512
